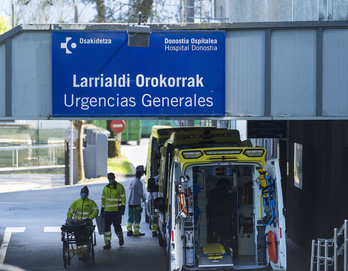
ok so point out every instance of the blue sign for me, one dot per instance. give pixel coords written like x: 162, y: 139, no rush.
x: 96, y: 74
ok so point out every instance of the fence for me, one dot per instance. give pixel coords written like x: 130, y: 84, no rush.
x: 31, y: 157
x: 338, y: 245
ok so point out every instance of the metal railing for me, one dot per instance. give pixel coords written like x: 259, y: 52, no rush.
x: 32, y: 157
x: 336, y: 246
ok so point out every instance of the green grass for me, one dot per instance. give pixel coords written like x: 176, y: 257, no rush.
x: 120, y: 165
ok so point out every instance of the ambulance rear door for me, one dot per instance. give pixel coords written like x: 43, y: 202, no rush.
x: 279, y: 227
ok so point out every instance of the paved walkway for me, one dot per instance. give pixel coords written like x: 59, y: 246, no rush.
x: 22, y: 182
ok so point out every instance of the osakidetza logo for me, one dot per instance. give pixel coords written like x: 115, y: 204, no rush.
x: 65, y: 45
x: 69, y: 44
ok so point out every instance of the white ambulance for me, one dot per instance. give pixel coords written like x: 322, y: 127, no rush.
x: 220, y: 204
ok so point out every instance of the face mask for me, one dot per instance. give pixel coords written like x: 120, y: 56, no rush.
x: 83, y: 195
x: 112, y: 181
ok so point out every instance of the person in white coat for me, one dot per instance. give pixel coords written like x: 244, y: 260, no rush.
x: 136, y: 196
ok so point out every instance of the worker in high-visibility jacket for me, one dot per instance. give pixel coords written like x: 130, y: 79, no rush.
x: 86, y: 210
x: 113, y: 205
x: 83, y: 208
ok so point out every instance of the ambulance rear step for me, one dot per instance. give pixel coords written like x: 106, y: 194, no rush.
x: 225, y: 261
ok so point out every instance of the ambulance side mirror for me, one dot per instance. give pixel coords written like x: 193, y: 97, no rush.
x: 159, y: 204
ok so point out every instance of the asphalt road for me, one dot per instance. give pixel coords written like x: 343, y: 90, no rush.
x: 136, y: 154
x: 33, y: 219
x: 33, y: 208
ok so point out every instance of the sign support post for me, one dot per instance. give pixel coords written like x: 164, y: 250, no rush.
x: 71, y: 171
x: 70, y: 135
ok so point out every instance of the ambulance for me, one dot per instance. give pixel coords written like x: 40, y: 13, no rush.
x: 159, y: 135
x: 220, y: 204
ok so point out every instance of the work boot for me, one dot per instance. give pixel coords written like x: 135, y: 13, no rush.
x: 120, y: 238
x: 129, y: 233
x: 107, y: 246
x: 121, y: 242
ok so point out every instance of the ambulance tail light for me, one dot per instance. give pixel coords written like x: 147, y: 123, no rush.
x: 254, y: 153
x: 192, y: 154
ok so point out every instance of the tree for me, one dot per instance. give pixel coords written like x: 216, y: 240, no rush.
x: 118, y: 12
x: 46, y: 11
x: 140, y: 6
x: 80, y: 165
x: 100, y: 6
x: 4, y: 24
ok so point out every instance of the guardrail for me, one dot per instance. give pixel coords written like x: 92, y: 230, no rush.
x: 29, y: 157
x: 337, y: 245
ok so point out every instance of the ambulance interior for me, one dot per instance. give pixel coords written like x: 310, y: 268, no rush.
x: 225, y: 215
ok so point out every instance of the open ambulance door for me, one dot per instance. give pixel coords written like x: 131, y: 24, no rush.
x: 276, y: 231
x: 175, y: 242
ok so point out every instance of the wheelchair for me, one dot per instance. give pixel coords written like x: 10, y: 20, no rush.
x: 79, y: 239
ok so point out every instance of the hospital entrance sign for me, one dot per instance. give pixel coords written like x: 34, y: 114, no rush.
x: 95, y: 73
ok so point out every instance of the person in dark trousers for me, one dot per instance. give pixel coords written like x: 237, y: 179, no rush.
x: 113, y: 205
x: 136, y: 196
x: 82, y: 209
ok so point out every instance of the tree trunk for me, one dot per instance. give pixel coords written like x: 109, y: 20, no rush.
x: 146, y: 8
x: 80, y: 165
x: 142, y: 6
x: 101, y: 11
x: 114, y: 147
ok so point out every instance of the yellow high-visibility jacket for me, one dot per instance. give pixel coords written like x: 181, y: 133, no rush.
x: 113, y: 198
x: 82, y: 209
